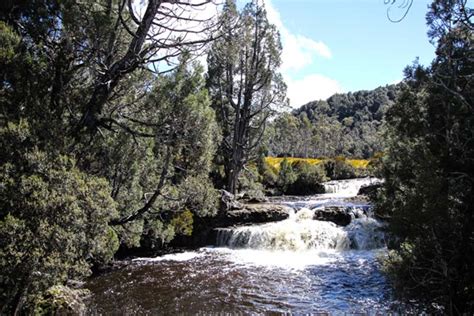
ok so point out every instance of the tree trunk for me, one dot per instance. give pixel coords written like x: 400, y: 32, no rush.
x: 234, y: 171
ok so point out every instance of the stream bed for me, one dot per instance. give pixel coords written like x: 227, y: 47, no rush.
x: 298, y: 265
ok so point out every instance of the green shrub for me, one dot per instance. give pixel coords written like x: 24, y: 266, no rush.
x: 61, y: 300
x: 309, y: 179
x: 250, y: 182
x: 53, y: 220
x: 158, y: 234
x: 269, y: 177
x: 300, y: 178
x: 286, y: 177
x: 183, y: 223
x: 338, y: 169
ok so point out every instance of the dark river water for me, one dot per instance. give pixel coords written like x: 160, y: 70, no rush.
x: 298, y: 265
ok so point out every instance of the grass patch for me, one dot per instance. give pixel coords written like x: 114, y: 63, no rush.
x: 358, y: 163
x: 275, y: 162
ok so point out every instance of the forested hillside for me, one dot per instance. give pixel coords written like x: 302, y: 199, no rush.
x: 347, y: 124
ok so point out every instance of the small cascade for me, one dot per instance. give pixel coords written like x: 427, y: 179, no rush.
x: 300, y: 232
x: 359, y: 211
x: 303, y: 263
x: 365, y: 233
x: 348, y: 188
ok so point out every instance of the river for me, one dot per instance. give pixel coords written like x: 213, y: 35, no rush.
x: 298, y: 265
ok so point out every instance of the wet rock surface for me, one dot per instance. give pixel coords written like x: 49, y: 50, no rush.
x: 253, y: 213
x: 369, y: 191
x: 238, y: 214
x: 238, y: 210
x: 242, y: 209
x: 339, y: 215
x: 359, y: 199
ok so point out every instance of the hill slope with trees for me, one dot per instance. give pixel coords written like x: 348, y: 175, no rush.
x: 346, y: 124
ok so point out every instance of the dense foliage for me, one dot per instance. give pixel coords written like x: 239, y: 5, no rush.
x: 304, y: 176
x: 428, y: 168
x: 348, y: 124
x: 170, y: 170
x: 54, y: 219
x: 99, y: 150
x: 300, y: 178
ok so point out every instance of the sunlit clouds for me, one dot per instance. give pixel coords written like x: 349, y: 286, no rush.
x: 300, y: 52
x: 310, y: 88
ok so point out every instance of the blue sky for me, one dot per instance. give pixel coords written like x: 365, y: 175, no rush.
x: 334, y: 46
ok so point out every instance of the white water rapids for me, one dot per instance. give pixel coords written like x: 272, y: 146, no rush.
x: 300, y: 236
x: 347, y: 188
x: 300, y: 232
x: 298, y: 265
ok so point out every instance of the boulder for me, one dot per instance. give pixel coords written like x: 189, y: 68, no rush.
x: 358, y: 200
x: 228, y: 201
x: 204, y: 232
x: 288, y: 198
x: 370, y: 190
x: 339, y: 215
x: 252, y: 198
x: 252, y: 214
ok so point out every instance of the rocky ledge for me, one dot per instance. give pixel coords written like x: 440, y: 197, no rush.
x: 231, y: 213
x: 335, y: 214
x: 252, y: 214
x: 235, y: 210
x: 370, y: 191
x: 339, y: 215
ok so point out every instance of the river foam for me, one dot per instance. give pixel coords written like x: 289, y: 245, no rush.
x: 298, y: 265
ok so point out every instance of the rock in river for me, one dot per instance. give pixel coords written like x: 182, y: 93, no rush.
x: 370, y: 190
x: 339, y: 215
x: 233, y: 212
x: 252, y: 213
x: 237, y: 214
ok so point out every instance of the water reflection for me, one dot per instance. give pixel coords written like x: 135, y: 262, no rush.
x: 218, y: 280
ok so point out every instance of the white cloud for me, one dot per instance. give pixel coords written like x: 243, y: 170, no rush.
x: 310, y: 88
x: 299, y: 51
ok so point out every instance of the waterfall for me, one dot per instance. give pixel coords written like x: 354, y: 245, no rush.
x: 347, y: 188
x: 300, y: 232
x: 365, y: 233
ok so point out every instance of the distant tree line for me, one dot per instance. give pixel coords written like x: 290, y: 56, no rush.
x: 347, y: 124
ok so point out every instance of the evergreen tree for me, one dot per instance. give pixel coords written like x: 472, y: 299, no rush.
x: 173, y: 177
x: 68, y: 198
x: 428, y: 168
x: 53, y: 220
x: 244, y: 83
